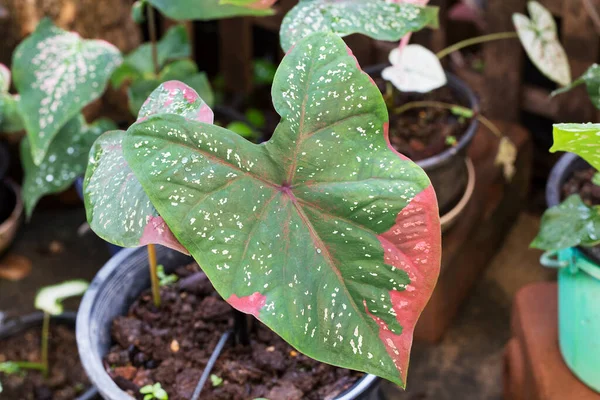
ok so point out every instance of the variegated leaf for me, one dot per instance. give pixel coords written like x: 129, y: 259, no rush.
x: 65, y: 160
x: 414, y: 69
x: 324, y: 233
x: 184, y: 10
x: 581, y: 139
x: 118, y: 209
x: 377, y: 19
x: 540, y: 40
x: 57, y: 73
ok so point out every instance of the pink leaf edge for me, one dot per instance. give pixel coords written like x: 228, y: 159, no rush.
x: 156, y: 231
x: 248, y: 304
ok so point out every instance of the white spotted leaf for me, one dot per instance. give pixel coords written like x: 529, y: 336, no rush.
x: 49, y: 299
x: 57, y: 73
x: 118, y: 209
x: 581, y: 139
x: 539, y: 38
x: 414, y: 69
x: 377, y: 19
x: 65, y: 160
x: 184, y: 10
x: 324, y: 232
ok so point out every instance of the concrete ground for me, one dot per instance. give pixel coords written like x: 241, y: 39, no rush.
x: 466, y: 365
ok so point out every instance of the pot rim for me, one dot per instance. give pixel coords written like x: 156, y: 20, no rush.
x: 448, y: 219
x: 13, y: 326
x: 456, y: 84
x: 4, y: 160
x: 17, y: 211
x: 93, y: 364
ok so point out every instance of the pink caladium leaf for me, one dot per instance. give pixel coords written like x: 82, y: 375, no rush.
x: 118, y: 209
x: 324, y: 233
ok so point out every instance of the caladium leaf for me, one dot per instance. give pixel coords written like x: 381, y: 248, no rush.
x: 569, y: 224
x: 57, y: 73
x: 591, y: 79
x: 65, y: 160
x: 50, y: 298
x: 540, y: 40
x: 174, y: 45
x: 324, y: 232
x: 204, y: 10
x: 10, y: 117
x: 117, y: 207
x: 258, y: 4
x: 581, y: 139
x: 414, y: 69
x: 377, y: 19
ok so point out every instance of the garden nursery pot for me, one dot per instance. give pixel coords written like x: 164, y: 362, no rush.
x: 11, y: 205
x: 16, y: 326
x: 578, y: 290
x: 116, y: 286
x: 447, y: 170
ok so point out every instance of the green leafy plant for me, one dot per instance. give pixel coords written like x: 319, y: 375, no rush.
x: 184, y: 10
x: 336, y: 257
x: 165, y: 279
x: 49, y: 300
x: 216, y: 380
x: 152, y: 392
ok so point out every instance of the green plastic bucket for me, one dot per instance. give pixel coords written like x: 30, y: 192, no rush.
x: 578, y: 313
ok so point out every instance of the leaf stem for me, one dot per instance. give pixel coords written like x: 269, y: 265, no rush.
x: 154, y: 274
x: 45, y: 338
x: 476, y: 40
x: 153, y: 38
x: 28, y: 365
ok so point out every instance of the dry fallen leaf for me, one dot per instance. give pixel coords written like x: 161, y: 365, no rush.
x: 14, y: 267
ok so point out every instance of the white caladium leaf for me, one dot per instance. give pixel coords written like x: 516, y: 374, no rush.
x: 414, y: 69
x: 65, y: 160
x: 50, y: 298
x: 377, y: 19
x: 324, y: 233
x: 204, y: 10
x: 57, y: 73
x: 539, y: 38
x: 118, y: 209
x: 581, y: 139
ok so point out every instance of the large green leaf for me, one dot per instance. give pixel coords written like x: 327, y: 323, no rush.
x: 324, y: 233
x: 174, y: 45
x: 57, y: 73
x: 65, y: 160
x: 591, y: 79
x: 581, y: 139
x: 10, y: 117
x: 571, y: 223
x: 540, y: 40
x: 184, y: 10
x: 118, y: 209
x: 377, y: 19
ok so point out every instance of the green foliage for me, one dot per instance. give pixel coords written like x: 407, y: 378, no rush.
x: 256, y: 117
x: 216, y: 380
x: 243, y: 129
x: 462, y: 112
x: 138, y: 11
x: 10, y: 119
x: 581, y: 139
x: 152, y: 392
x: 185, y: 10
x: 571, y: 223
x: 264, y: 72
x: 377, y: 19
x: 591, y: 80
x: 165, y: 279
x: 57, y: 73
x: 596, y: 179
x: 50, y: 298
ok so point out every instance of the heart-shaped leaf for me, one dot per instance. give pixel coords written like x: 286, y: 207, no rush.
x: 571, y: 223
x: 540, y: 40
x: 65, y: 160
x: 118, y: 209
x: 377, y: 19
x: 414, y: 69
x: 174, y: 45
x: 581, y: 139
x: 184, y: 10
x: 324, y: 232
x: 591, y: 79
x: 57, y: 73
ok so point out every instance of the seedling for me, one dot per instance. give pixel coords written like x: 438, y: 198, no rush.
x: 163, y: 278
x: 216, y: 380
x: 152, y: 392
x: 49, y: 300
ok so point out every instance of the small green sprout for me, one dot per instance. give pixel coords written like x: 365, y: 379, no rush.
x: 155, y: 391
x: 451, y: 140
x: 163, y: 278
x: 216, y: 380
x: 460, y: 111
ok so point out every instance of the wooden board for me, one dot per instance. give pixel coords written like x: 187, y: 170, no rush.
x: 534, y: 368
x: 469, y: 246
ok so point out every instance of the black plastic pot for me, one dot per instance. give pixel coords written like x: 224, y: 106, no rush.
x: 447, y: 170
x: 116, y: 286
x: 561, y: 172
x: 16, y: 326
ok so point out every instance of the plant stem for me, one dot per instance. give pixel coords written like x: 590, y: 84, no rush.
x: 153, y: 39
x: 476, y: 40
x: 28, y: 365
x: 45, y: 338
x: 241, y: 329
x: 153, y: 274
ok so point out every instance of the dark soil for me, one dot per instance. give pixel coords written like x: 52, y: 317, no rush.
x: 424, y: 132
x: 67, y: 379
x: 581, y: 183
x: 172, y: 346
